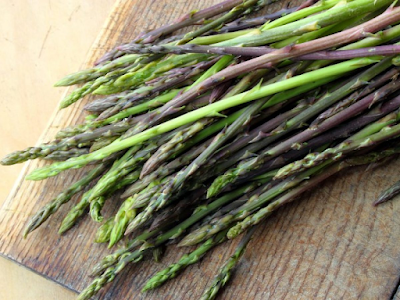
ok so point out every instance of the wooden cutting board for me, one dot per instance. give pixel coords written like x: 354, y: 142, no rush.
x: 332, y: 243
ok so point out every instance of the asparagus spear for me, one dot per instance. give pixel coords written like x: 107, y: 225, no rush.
x: 52, y: 207
x: 225, y: 273
x: 177, y: 142
x: 61, y: 155
x: 386, y: 50
x: 104, y: 231
x: 188, y: 259
x: 245, y: 22
x: 388, y: 194
x: 75, y: 213
x: 80, y: 208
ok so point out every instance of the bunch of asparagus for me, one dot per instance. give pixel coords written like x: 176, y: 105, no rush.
x: 207, y: 133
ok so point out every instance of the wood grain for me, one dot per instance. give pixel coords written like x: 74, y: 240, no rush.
x: 331, y: 244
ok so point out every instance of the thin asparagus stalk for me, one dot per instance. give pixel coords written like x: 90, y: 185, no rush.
x: 129, y: 112
x: 127, y: 212
x: 165, y: 170
x: 110, y: 274
x: 52, y: 207
x: 75, y: 213
x: 100, y: 105
x: 146, y: 73
x: 120, y: 164
x: 177, y: 142
x: 91, y: 74
x: 120, y: 222
x: 386, y: 50
x: 102, y: 142
x: 186, y: 260
x: 122, y: 167
x: 225, y: 273
x: 64, y: 155
x: 388, y: 194
x: 66, y: 144
x: 79, y: 209
x: 212, y: 109
x: 87, y: 89
x: 142, y: 199
x: 245, y: 23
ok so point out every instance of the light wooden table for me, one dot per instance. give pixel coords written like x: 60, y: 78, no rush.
x: 333, y: 244
x: 40, y: 41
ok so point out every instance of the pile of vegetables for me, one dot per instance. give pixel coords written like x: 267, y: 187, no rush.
x: 205, y: 134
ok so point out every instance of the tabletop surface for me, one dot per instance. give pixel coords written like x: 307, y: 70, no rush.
x: 330, y: 244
